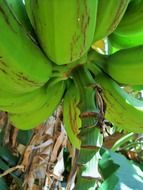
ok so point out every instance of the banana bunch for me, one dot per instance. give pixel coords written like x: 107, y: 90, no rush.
x: 24, y: 69
x: 64, y: 38
x: 28, y: 78
x: 129, y: 32
x: 45, y: 60
x: 109, y: 15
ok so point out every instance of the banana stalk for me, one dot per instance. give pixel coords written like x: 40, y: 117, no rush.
x: 90, y: 135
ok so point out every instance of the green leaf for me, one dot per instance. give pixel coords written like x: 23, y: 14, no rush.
x: 86, y: 184
x: 3, y: 185
x: 119, y: 173
x: 122, y: 141
x: 4, y: 166
x: 6, y: 155
x: 24, y: 136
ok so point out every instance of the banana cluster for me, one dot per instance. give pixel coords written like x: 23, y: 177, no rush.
x: 26, y: 91
x: 41, y: 46
x: 78, y: 54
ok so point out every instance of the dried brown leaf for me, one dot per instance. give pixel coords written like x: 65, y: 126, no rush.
x: 10, y: 170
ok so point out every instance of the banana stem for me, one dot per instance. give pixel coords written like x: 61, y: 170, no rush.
x: 90, y: 135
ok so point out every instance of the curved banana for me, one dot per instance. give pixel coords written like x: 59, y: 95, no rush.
x: 109, y: 14
x: 24, y: 103
x: 71, y: 113
x: 9, y: 99
x: 129, y: 32
x: 65, y: 29
x: 122, y: 109
x: 23, y: 66
x: 19, y: 10
x: 30, y: 120
x: 125, y: 66
x: 28, y: 10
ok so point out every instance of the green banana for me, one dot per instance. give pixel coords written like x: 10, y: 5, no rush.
x: 18, y: 8
x: 29, y: 120
x: 109, y: 14
x: 122, y: 109
x: 125, y: 66
x: 71, y: 113
x: 64, y: 37
x: 23, y: 66
x: 8, y: 99
x: 129, y: 32
x: 28, y: 10
x: 23, y: 103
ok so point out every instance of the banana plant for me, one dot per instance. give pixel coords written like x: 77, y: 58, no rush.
x: 46, y: 60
